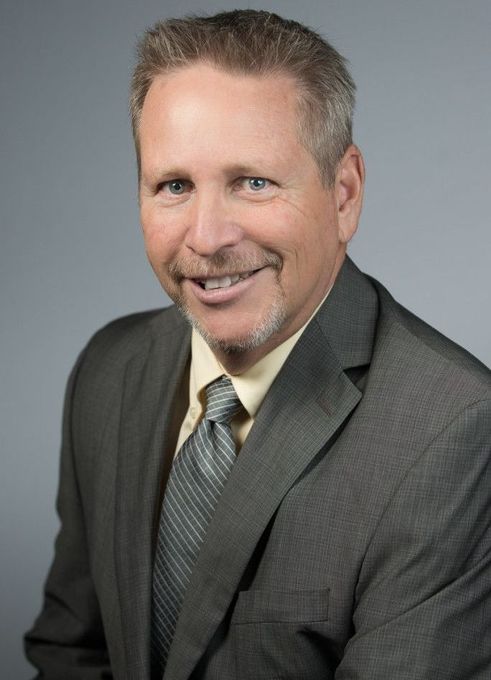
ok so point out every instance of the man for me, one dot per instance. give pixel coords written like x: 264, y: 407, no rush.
x: 335, y: 523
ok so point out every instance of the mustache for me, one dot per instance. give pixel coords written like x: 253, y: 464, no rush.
x: 222, y: 263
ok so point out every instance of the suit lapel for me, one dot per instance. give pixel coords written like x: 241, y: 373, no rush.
x: 153, y: 386
x: 306, y: 405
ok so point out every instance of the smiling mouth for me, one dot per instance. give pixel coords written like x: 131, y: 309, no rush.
x: 224, y: 281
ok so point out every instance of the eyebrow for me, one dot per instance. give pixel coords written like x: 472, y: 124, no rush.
x: 171, y: 172
x: 255, y: 169
x: 248, y: 170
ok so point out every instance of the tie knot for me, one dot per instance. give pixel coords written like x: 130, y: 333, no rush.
x: 222, y: 402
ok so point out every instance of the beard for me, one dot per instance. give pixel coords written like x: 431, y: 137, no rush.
x: 220, y: 264
x: 256, y: 336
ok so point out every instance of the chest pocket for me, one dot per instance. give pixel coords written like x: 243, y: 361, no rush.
x: 281, y: 606
x: 278, y: 635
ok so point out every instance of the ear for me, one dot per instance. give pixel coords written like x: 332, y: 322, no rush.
x: 349, y: 184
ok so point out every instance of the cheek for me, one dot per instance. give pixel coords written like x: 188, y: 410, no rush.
x: 276, y: 228
x: 162, y: 240
x: 309, y: 249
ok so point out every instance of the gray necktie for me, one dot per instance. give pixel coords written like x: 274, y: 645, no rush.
x: 196, y: 481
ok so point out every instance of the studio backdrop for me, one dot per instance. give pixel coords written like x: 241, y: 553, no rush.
x: 72, y: 256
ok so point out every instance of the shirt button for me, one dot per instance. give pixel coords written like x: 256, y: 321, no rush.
x: 192, y: 411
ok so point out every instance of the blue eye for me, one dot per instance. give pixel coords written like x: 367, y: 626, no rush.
x: 176, y: 186
x: 257, y: 183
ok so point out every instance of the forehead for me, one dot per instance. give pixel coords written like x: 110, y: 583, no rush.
x: 202, y: 109
x: 201, y: 81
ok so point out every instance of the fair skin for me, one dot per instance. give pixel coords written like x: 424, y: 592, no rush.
x: 238, y: 225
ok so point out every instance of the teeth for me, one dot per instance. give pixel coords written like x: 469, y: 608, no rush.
x: 225, y: 281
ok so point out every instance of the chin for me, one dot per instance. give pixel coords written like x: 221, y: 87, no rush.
x: 247, y: 340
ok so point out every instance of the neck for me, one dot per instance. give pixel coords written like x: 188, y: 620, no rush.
x: 237, y: 362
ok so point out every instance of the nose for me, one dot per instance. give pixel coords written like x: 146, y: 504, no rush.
x: 211, y: 225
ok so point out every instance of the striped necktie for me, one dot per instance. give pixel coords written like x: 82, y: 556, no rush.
x: 198, y: 475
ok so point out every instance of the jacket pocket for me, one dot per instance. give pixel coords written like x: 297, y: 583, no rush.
x: 281, y: 635
x: 281, y: 606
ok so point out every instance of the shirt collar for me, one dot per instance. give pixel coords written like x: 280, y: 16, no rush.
x: 252, y: 385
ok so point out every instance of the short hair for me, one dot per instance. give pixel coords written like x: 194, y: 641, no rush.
x: 257, y: 43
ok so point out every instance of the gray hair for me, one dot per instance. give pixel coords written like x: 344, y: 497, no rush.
x: 260, y: 43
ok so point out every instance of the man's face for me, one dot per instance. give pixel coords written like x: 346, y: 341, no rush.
x: 238, y: 226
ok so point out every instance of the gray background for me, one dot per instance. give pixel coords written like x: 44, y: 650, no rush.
x: 71, y: 253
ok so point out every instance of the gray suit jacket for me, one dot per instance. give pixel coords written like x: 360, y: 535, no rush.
x: 352, y: 540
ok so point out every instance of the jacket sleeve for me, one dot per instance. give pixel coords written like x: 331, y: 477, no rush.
x: 67, y: 639
x: 423, y: 602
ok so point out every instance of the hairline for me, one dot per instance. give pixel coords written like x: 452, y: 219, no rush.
x: 326, y: 175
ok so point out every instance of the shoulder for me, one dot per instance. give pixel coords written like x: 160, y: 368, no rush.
x: 126, y: 340
x: 422, y: 369
x: 427, y: 343
x: 126, y: 336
